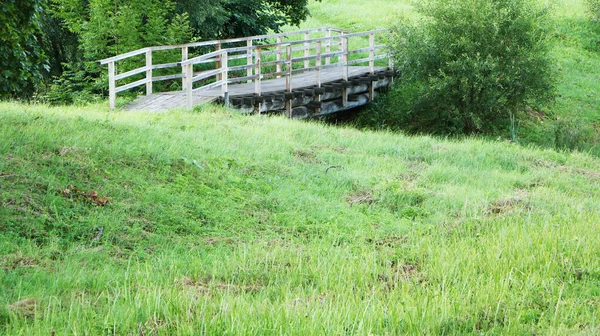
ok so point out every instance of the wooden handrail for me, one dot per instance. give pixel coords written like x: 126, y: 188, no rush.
x: 214, y: 42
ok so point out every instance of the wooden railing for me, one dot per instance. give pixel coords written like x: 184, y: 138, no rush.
x: 331, y: 49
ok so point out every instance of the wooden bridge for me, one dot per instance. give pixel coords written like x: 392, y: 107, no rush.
x: 303, y: 73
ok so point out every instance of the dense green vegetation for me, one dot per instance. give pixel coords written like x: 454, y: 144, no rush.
x: 465, y: 67
x: 50, y: 48
x: 570, y: 121
x: 210, y: 222
x: 21, y: 56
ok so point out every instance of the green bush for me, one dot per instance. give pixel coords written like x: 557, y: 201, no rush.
x: 465, y: 66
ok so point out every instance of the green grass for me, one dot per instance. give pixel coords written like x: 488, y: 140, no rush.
x: 224, y: 224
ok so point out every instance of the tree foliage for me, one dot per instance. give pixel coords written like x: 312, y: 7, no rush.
x: 22, y: 60
x: 467, y: 65
x: 97, y: 29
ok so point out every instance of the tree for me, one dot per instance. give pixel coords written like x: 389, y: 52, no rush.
x: 22, y: 60
x: 466, y: 66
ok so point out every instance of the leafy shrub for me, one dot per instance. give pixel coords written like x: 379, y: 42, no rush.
x: 74, y: 86
x: 466, y: 66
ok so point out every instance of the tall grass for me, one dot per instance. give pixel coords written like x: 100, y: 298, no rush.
x: 222, y: 224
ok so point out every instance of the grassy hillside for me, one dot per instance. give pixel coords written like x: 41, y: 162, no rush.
x: 212, y: 223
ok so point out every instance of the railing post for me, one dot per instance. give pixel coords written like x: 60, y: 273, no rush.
x: 112, y: 94
x: 345, y: 58
x: 318, y: 63
x: 149, y: 72
x: 306, y: 50
x: 372, y: 53
x: 278, y: 66
x: 318, y: 74
x: 288, y: 79
x: 328, y: 47
x: 218, y: 60
x: 184, y: 57
x: 257, y: 72
x: 341, y: 46
x: 189, y: 73
x: 189, y: 85
x: 345, y: 70
x: 225, y: 77
x: 249, y: 59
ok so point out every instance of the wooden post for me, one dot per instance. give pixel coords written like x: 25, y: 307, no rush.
x: 112, y: 94
x: 318, y: 74
x: 249, y: 59
x: 257, y: 73
x: 345, y: 58
x: 372, y: 53
x: 341, y: 46
x: 288, y: 80
x: 184, y: 57
x: 328, y: 47
x: 218, y: 60
x: 278, y: 66
x: 288, y: 68
x: 372, y: 65
x: 306, y: 50
x: 225, y: 77
x: 149, y: 72
x: 345, y: 69
x: 318, y: 63
x: 189, y: 84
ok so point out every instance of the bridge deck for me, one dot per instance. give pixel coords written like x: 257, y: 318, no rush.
x: 171, y: 100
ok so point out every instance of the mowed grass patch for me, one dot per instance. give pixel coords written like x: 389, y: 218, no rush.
x: 216, y: 223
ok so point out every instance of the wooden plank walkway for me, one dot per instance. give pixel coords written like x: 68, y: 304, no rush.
x: 171, y: 100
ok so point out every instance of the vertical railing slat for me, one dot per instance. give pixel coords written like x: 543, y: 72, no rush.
x: 306, y: 50
x: 278, y: 66
x: 328, y: 47
x: 345, y: 70
x: 318, y: 63
x: 249, y: 59
x: 288, y: 79
x: 184, y: 57
x: 225, y: 76
x: 372, y: 53
x: 189, y: 73
x: 218, y: 60
x: 149, y: 72
x: 257, y: 73
x: 112, y: 94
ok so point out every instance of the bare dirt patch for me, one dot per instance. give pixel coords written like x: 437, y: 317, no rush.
x: 209, y: 287
x: 361, y: 197
x: 508, y: 204
x: 73, y: 192
x: 306, y: 156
